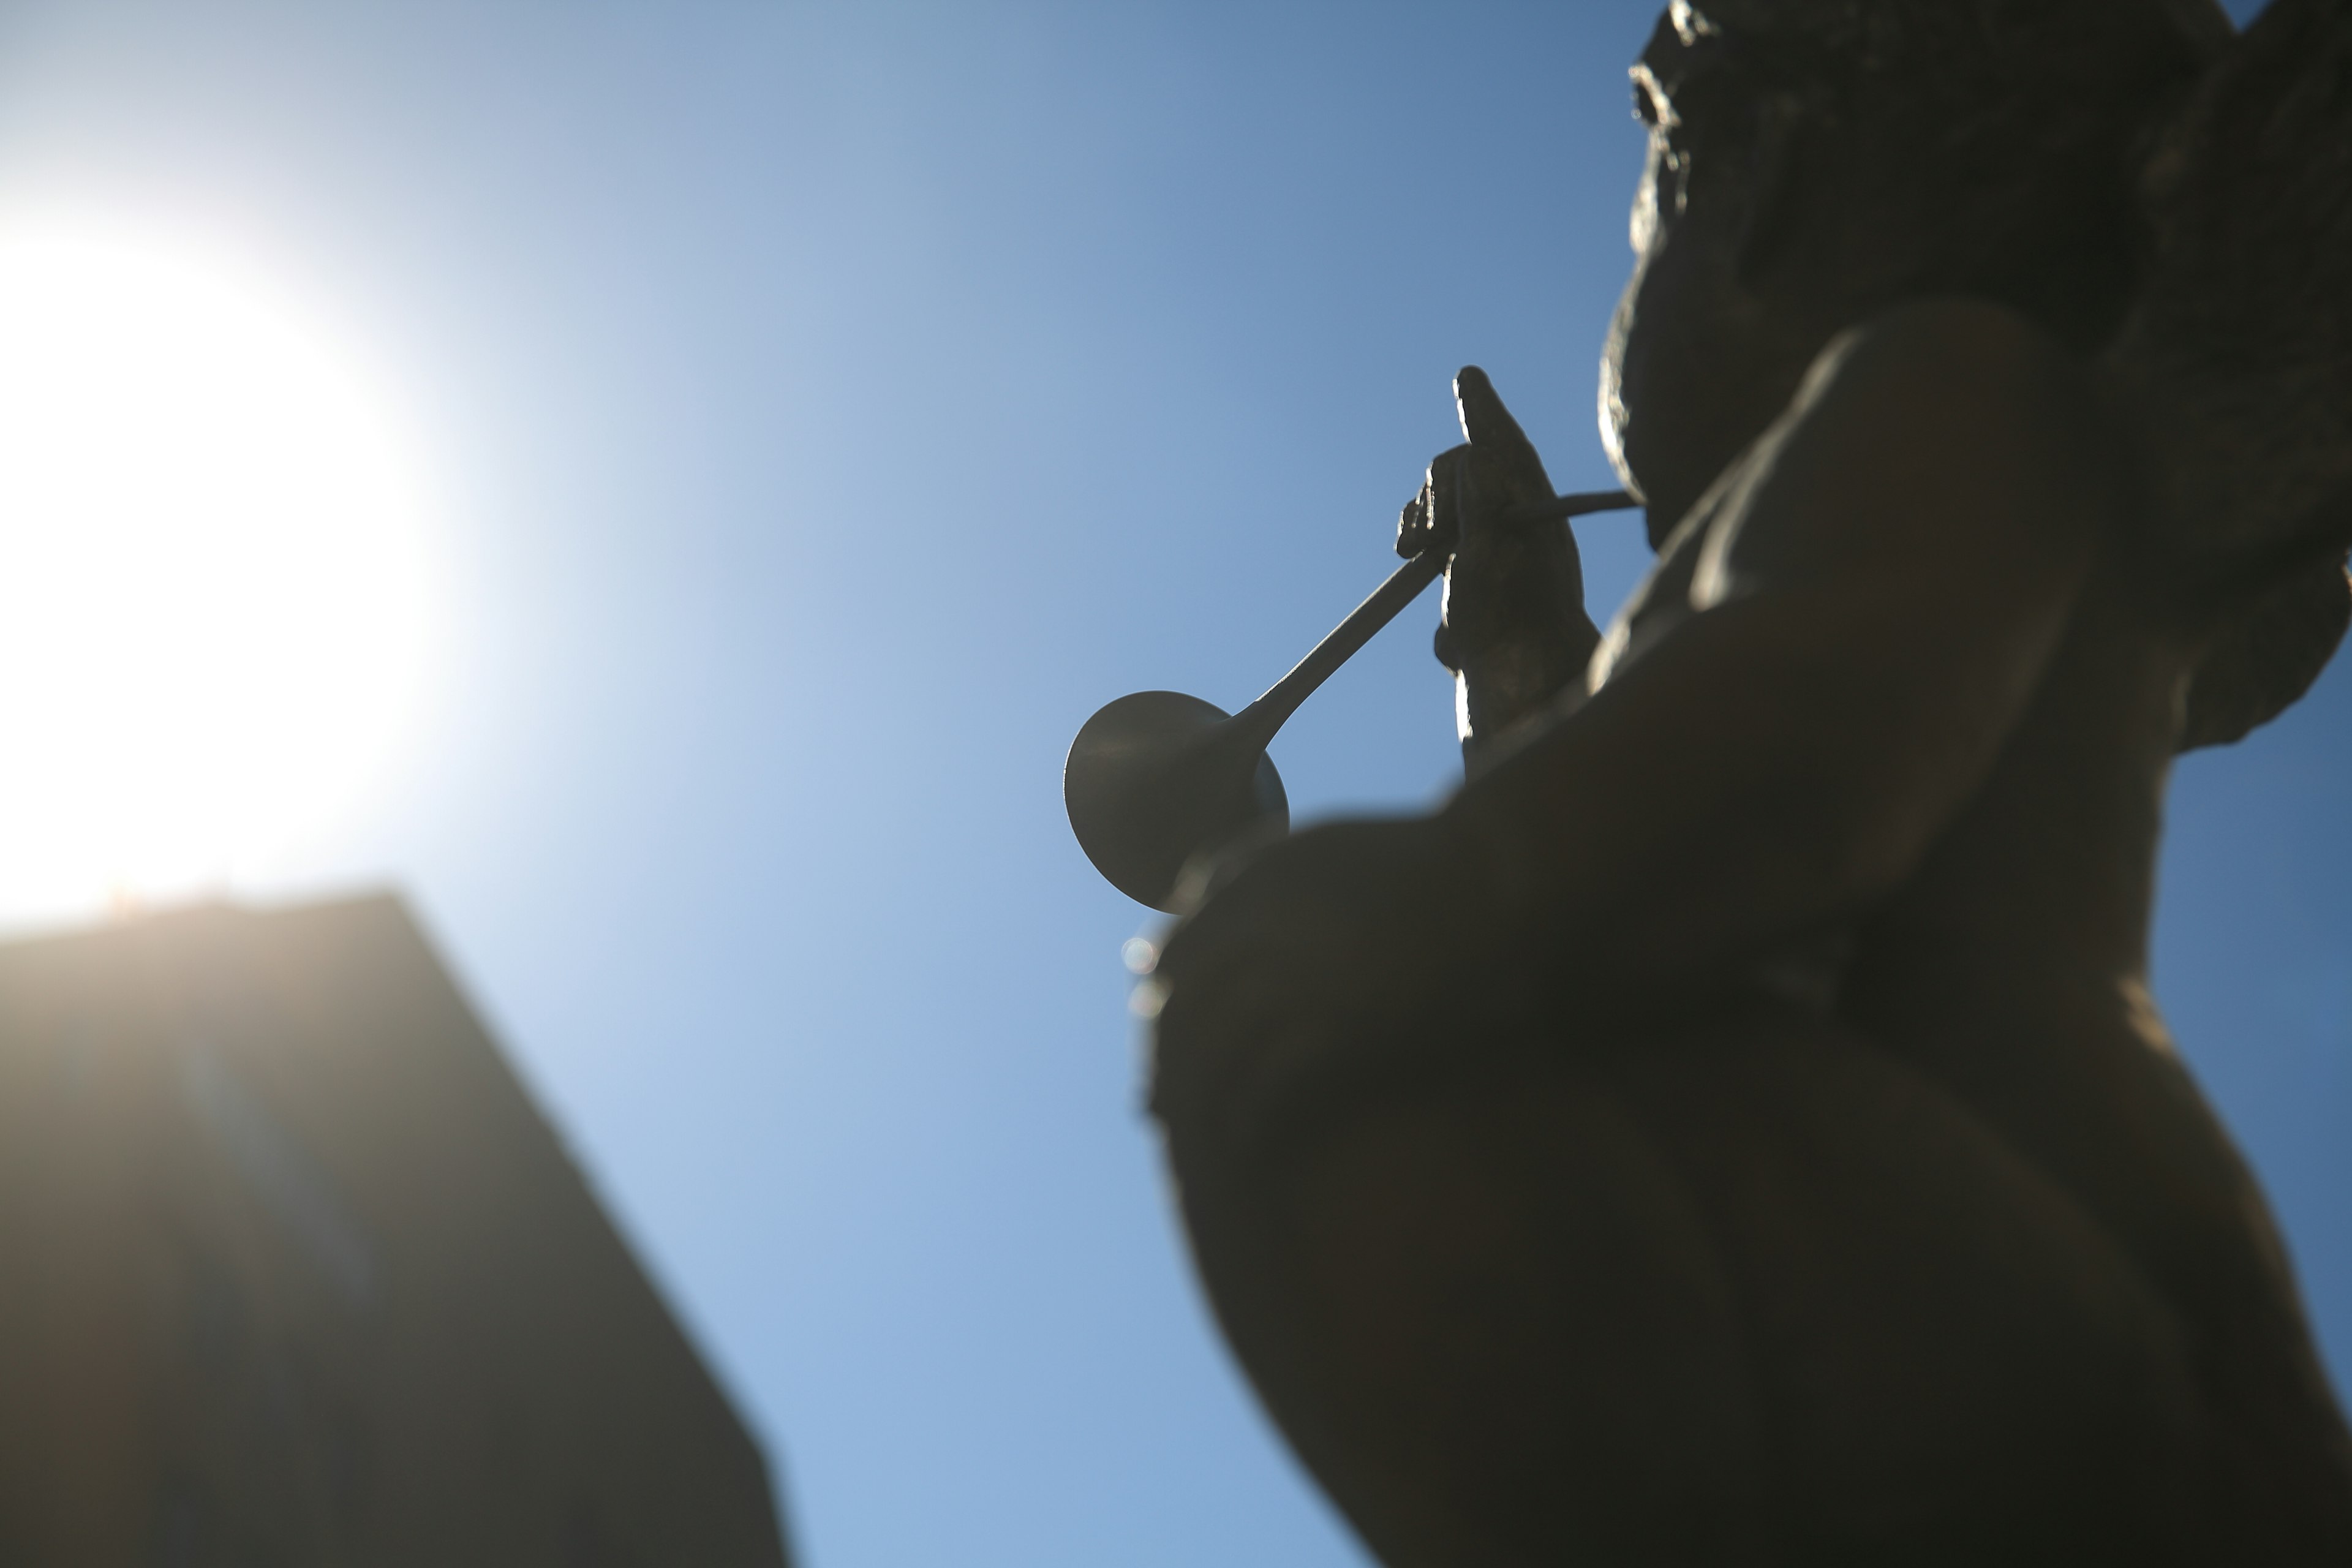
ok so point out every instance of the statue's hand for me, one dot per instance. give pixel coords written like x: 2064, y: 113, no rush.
x: 1471, y: 489
x: 1514, y: 630
x: 1330, y: 951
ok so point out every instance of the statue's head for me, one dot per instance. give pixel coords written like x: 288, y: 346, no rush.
x: 2129, y: 174
x: 1813, y: 161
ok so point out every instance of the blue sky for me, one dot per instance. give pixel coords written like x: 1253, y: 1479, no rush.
x: 832, y: 404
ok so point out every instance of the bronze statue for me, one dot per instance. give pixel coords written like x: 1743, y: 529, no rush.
x: 1736, y: 1129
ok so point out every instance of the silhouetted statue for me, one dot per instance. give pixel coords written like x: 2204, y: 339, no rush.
x: 1736, y: 1129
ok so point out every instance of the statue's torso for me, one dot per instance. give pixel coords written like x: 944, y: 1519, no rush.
x: 2010, y: 974
x: 1909, y: 1242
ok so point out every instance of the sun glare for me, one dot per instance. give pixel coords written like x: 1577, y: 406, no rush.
x: 212, y: 607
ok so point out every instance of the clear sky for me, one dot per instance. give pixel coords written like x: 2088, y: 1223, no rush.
x: 824, y: 407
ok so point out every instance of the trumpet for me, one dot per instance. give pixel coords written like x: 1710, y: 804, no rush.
x: 1156, y: 778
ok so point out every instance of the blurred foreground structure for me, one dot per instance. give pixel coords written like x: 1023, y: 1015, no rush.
x: 291, y: 1272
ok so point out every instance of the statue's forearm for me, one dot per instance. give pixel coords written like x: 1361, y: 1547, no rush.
x: 1773, y: 765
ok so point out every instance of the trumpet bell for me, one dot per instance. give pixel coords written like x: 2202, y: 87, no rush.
x: 1158, y: 777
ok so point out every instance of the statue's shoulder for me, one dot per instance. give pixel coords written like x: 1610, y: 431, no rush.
x: 1956, y: 368
x: 1926, y: 439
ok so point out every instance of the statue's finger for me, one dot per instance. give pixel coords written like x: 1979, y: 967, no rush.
x: 1434, y: 514
x: 1484, y: 421
x: 1413, y: 526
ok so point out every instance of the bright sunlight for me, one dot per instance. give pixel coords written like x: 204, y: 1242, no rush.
x: 212, y: 607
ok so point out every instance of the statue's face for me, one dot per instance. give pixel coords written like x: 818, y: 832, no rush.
x: 1699, y: 360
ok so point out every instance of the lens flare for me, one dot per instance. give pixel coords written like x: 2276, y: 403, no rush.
x: 213, y: 622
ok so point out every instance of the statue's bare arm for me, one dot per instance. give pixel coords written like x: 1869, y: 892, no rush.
x: 1879, y: 582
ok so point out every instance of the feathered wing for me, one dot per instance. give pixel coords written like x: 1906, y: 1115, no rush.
x: 2245, y: 331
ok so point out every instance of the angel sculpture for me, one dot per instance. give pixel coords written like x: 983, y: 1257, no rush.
x: 1735, y: 1129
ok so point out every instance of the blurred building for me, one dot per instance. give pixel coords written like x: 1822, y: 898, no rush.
x: 292, y: 1274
